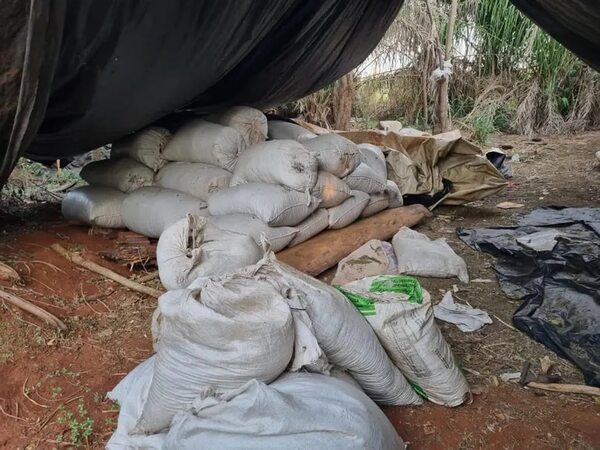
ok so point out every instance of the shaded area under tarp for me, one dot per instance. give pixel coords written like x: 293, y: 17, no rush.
x: 85, y: 73
x: 551, y: 261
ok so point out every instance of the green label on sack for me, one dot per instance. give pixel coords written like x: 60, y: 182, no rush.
x: 365, y: 305
x: 418, y: 389
x: 399, y: 283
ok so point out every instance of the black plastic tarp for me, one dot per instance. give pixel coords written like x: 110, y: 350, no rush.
x: 87, y: 72
x: 551, y: 261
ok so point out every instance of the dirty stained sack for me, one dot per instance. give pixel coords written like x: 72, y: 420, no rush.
x: 94, y: 205
x: 297, y: 411
x: 197, y: 179
x: 420, y: 256
x: 193, y: 247
x: 145, y: 146
x: 205, y: 142
x: 335, y: 154
x: 330, y: 190
x: 559, y: 284
x: 373, y: 258
x: 407, y: 330
x: 215, y: 339
x: 151, y: 210
x: 282, y: 162
x: 377, y: 203
x: 311, y: 226
x: 365, y: 179
x: 251, y: 123
x: 344, y: 335
x: 281, y: 129
x: 124, y: 174
x: 274, y: 205
x: 277, y: 237
x: 373, y: 157
x: 394, y: 195
x: 347, y: 212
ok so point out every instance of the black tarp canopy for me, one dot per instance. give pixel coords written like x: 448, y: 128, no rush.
x: 77, y: 74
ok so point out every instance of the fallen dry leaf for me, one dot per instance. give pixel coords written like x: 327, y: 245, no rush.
x: 7, y: 273
x: 509, y: 205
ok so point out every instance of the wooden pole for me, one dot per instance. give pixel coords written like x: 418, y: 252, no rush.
x: 343, y: 98
x: 445, y: 123
x: 90, y: 265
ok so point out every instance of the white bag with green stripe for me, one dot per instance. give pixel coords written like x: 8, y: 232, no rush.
x: 400, y: 312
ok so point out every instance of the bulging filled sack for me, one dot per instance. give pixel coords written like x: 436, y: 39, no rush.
x: 192, y: 247
x: 373, y: 157
x: 145, y: 146
x: 197, y: 179
x: 94, y: 205
x: 205, y: 142
x: 418, y: 255
x: 281, y: 129
x: 277, y: 237
x: 286, y: 163
x: 330, y: 190
x: 343, y: 215
x: 335, y: 154
x: 297, y: 411
x: 124, y: 174
x: 394, y: 194
x: 365, y: 179
x: 347, y: 339
x: 151, y: 210
x: 274, y: 205
x: 131, y: 394
x: 402, y: 318
x: 311, y: 226
x: 250, y: 122
x: 377, y: 203
x: 215, y: 339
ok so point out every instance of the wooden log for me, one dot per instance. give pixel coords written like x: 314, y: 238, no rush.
x: 38, y: 312
x: 566, y: 388
x: 326, y: 249
x: 90, y: 265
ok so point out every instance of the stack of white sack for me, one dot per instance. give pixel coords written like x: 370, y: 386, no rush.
x: 218, y: 376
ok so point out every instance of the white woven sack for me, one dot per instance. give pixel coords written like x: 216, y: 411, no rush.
x: 330, y: 190
x: 420, y: 256
x: 311, y: 226
x: 286, y: 163
x: 131, y: 394
x: 408, y: 332
x: 373, y: 157
x: 281, y: 129
x: 94, y: 205
x: 145, y: 146
x: 394, y: 194
x: 197, y: 179
x: 343, y: 215
x: 296, y: 412
x: 193, y: 247
x: 377, y: 203
x: 277, y: 237
x: 151, y: 210
x: 215, y: 339
x: 250, y: 122
x: 124, y: 174
x: 365, y: 179
x: 274, y: 205
x: 335, y: 154
x: 205, y: 142
x: 342, y: 332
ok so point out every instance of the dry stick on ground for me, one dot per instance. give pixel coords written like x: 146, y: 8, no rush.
x: 90, y: 265
x: 33, y: 309
x: 565, y: 388
x: 149, y: 277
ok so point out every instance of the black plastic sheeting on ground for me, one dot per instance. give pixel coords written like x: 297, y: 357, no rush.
x: 560, y: 288
x: 88, y: 72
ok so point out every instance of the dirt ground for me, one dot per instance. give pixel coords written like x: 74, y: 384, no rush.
x: 53, y: 385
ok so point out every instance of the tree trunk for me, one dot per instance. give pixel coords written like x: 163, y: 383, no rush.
x: 445, y: 123
x: 343, y: 98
